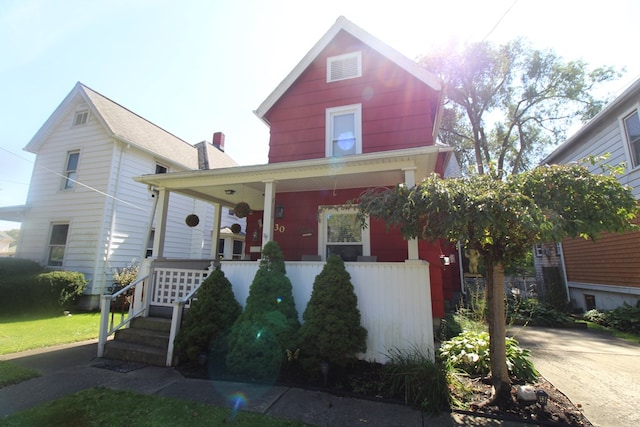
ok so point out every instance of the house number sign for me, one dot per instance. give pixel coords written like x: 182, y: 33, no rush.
x: 278, y: 228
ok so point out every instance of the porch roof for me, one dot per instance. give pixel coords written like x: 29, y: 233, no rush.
x: 229, y: 186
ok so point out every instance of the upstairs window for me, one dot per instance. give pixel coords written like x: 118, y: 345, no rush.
x: 71, y: 170
x: 81, y: 118
x: 632, y: 131
x: 343, y: 67
x: 161, y: 169
x: 344, y: 130
x: 57, y: 244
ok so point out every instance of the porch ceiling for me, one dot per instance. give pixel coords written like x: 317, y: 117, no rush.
x: 247, y: 182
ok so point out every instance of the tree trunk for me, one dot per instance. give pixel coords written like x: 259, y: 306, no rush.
x: 497, y: 331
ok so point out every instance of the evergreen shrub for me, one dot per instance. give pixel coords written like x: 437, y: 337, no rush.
x: 209, y: 317
x: 331, y: 331
x: 269, y: 325
x: 18, y: 285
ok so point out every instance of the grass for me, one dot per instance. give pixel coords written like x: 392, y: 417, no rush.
x: 11, y: 373
x: 26, y: 332
x: 105, y: 407
x: 629, y: 336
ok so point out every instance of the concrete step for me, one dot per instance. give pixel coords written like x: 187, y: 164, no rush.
x: 149, y: 337
x: 135, y: 353
x: 152, y: 323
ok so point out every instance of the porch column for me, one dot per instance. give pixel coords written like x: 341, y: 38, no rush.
x: 269, y: 208
x: 412, y: 244
x: 161, y: 223
x: 215, y: 232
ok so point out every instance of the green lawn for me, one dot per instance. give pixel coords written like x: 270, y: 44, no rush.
x: 26, y: 332
x: 12, y: 374
x: 104, y: 407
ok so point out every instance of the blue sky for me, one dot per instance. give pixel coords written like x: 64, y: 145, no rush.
x: 197, y: 67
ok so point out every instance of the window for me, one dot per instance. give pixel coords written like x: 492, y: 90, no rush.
x: 71, y: 170
x: 341, y: 234
x: 161, y: 169
x: 152, y: 236
x: 589, y: 301
x: 80, y: 118
x: 538, y: 250
x: 342, y: 67
x: 632, y: 130
x: 57, y: 244
x: 344, y: 130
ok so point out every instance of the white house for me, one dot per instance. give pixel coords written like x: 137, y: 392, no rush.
x: 603, y: 274
x: 84, y: 212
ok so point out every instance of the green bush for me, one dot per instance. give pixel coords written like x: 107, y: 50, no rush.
x: 625, y: 318
x: 269, y: 325
x: 210, y: 315
x: 421, y: 380
x: 531, y: 310
x: 18, y: 285
x: 331, y: 331
x: 469, y: 352
x: 64, y: 287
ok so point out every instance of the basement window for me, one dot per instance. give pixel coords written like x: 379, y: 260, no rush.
x: 343, y: 67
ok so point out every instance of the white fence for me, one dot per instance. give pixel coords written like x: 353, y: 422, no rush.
x: 394, y: 300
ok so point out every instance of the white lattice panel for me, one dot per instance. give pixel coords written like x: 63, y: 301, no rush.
x: 173, y: 284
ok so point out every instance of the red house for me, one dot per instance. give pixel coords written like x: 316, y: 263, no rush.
x: 353, y: 114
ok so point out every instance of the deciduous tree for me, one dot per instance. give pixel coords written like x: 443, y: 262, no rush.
x: 502, y: 219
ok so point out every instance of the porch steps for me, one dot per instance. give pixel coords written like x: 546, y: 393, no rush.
x: 145, y: 341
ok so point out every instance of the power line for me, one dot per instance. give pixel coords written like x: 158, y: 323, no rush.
x: 499, y: 21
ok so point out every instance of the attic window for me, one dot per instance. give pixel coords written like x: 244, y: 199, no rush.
x: 80, y: 118
x: 342, y: 67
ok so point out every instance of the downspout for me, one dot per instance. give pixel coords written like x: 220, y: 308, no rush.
x: 154, y: 195
x: 564, y: 273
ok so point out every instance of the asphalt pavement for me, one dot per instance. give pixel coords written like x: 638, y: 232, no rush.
x: 68, y: 369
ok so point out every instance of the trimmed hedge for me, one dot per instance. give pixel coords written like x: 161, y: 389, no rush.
x: 64, y: 287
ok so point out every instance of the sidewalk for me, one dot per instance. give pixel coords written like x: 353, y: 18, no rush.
x: 72, y: 368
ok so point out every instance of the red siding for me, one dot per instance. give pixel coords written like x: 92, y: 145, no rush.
x: 397, y: 108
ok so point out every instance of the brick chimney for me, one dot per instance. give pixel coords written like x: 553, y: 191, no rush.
x: 218, y: 141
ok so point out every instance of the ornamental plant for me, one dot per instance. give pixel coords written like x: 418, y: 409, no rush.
x: 210, y: 315
x: 331, y: 331
x: 269, y: 325
x: 65, y: 287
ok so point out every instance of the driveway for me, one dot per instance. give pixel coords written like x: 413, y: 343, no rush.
x: 594, y: 370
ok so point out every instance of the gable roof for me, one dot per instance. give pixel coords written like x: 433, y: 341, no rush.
x: 130, y: 128
x: 343, y: 24
x: 612, y: 109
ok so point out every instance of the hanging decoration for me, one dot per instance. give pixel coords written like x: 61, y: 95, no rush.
x: 192, y: 220
x: 242, y: 210
x: 236, y: 228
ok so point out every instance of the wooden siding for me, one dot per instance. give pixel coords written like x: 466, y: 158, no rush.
x: 610, y: 260
x: 396, y: 107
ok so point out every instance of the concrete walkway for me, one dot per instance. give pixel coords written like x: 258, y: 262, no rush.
x: 69, y: 369
x: 599, y: 372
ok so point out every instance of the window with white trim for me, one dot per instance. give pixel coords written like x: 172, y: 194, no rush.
x: 343, y: 67
x: 342, y: 234
x: 57, y: 244
x: 344, y: 130
x: 161, y: 169
x: 81, y: 117
x: 632, y: 131
x: 71, y: 170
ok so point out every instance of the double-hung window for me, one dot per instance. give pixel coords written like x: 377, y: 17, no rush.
x: 344, y: 130
x: 632, y: 131
x: 71, y: 170
x: 341, y: 234
x: 57, y: 244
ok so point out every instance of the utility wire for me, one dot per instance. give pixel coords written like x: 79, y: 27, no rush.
x: 76, y: 181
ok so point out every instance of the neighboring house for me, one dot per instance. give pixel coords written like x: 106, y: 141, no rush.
x: 603, y: 274
x: 7, y: 245
x: 353, y: 114
x: 84, y: 212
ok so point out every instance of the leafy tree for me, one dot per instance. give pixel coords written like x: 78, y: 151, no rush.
x: 506, y: 104
x: 502, y: 219
x: 210, y: 315
x: 269, y: 324
x: 331, y: 331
